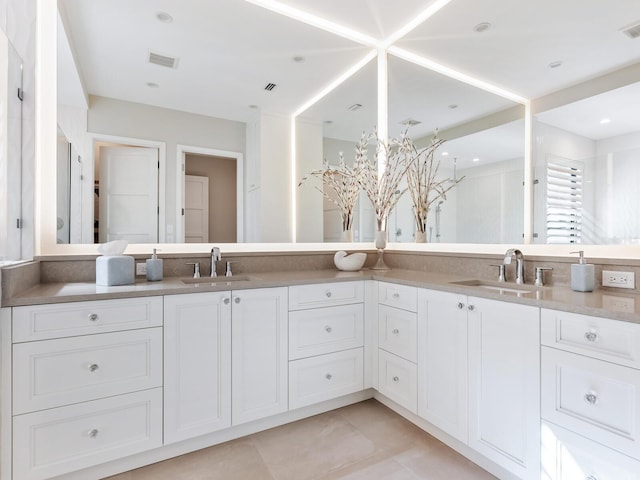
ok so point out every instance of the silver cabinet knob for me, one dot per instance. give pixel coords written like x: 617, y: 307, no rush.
x: 93, y: 433
x: 93, y: 367
x: 328, y: 329
x: 395, y: 331
x: 328, y: 376
x: 471, y: 308
x: 236, y: 299
x: 396, y: 296
x: 460, y: 305
x: 591, y: 398
x: 226, y: 301
x: 396, y: 379
x: 591, y: 336
x: 93, y: 317
x: 328, y: 293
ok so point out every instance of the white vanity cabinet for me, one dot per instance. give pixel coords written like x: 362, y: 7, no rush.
x: 398, y: 344
x: 87, y: 384
x: 259, y: 324
x: 442, y: 361
x: 326, y: 341
x: 197, y: 364
x: 591, y: 389
x: 504, y: 384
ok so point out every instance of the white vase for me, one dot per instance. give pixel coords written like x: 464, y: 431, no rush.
x: 380, y: 240
x: 421, y: 237
x: 347, y: 236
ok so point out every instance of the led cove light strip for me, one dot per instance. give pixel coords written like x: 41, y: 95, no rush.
x: 430, y: 11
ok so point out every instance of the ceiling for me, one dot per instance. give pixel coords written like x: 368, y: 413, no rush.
x: 228, y: 50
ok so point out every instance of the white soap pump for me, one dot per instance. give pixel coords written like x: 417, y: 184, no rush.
x: 582, y: 274
x: 154, y: 267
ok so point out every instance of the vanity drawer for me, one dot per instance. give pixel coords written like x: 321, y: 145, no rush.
x: 398, y: 332
x: 568, y: 456
x: 315, y: 379
x: 42, y: 322
x: 596, y: 399
x: 398, y: 380
x: 399, y: 296
x: 58, y: 372
x: 61, y: 440
x: 325, y: 330
x: 597, y: 337
x: 325, y: 295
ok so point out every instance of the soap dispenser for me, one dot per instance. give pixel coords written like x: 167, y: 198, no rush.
x: 582, y: 274
x: 154, y: 267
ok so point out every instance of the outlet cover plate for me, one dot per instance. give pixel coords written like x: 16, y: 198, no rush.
x: 141, y: 268
x: 618, y: 279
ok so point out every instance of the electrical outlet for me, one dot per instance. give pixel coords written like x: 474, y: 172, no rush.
x: 141, y: 268
x: 618, y: 279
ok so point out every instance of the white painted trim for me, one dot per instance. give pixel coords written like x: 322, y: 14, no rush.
x: 87, y: 192
x: 239, y: 158
x: 6, y: 405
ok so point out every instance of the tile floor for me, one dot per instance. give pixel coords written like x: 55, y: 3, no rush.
x: 365, y: 441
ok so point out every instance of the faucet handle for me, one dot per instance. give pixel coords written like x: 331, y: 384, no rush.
x: 196, y: 269
x: 228, y: 272
x: 215, y: 253
x: 501, y: 276
x: 539, y: 280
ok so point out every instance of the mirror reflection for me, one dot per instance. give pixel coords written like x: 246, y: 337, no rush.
x: 586, y: 163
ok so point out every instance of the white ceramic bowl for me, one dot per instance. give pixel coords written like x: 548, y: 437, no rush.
x: 349, y: 263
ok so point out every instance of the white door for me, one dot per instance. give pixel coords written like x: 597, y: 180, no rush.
x: 197, y: 364
x: 196, y: 209
x: 259, y: 360
x: 128, y: 194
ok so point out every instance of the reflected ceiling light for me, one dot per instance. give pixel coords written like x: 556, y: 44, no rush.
x: 475, y: 160
x: 315, y: 21
x: 328, y: 122
x: 299, y: 59
x: 482, y: 27
x: 431, y: 10
x: 555, y: 64
x: 444, y: 154
x: 604, y: 121
x: 453, y: 106
x: 253, y: 107
x: 410, y: 122
x: 164, y: 17
x: 152, y: 85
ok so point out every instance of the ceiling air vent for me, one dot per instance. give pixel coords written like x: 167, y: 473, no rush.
x: 354, y: 107
x: 270, y: 86
x: 163, y: 60
x: 632, y: 31
x: 410, y: 122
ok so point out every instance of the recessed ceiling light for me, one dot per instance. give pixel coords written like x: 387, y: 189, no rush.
x: 164, y: 17
x: 604, y: 121
x: 482, y: 27
x: 453, y: 106
x: 444, y: 154
x: 475, y: 159
x: 152, y: 85
x: 555, y: 64
x: 299, y: 59
x: 253, y: 107
x: 328, y: 122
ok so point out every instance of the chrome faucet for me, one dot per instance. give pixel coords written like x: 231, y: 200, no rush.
x: 519, y: 263
x: 215, y: 258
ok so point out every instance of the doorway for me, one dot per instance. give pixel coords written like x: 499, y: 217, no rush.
x: 211, y: 188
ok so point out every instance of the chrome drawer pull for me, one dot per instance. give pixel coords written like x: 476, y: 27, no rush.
x: 471, y: 308
x: 93, y: 367
x: 460, y: 305
x: 227, y: 301
x: 93, y: 317
x: 396, y: 296
x: 395, y: 331
x: 328, y: 293
x: 396, y: 379
x: 236, y: 300
x: 591, y: 398
x: 328, y: 376
x: 93, y: 433
x: 591, y: 336
x: 328, y: 329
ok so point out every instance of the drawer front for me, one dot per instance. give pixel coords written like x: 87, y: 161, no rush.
x: 325, y: 330
x: 398, y: 296
x: 596, y: 399
x: 61, y: 440
x: 398, y: 380
x: 58, y: 372
x: 568, y: 456
x: 597, y: 337
x: 398, y: 332
x: 41, y: 322
x: 325, y: 295
x: 315, y: 379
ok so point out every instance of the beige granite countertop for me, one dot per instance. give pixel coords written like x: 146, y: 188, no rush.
x: 601, y: 302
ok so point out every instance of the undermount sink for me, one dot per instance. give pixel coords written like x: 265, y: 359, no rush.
x: 204, y: 280
x: 498, y: 287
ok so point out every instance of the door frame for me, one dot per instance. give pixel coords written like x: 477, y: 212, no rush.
x: 182, y: 150
x: 87, y: 187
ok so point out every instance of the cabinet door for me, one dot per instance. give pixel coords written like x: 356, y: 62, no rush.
x: 197, y: 372
x: 259, y: 353
x: 442, y: 361
x: 504, y: 384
